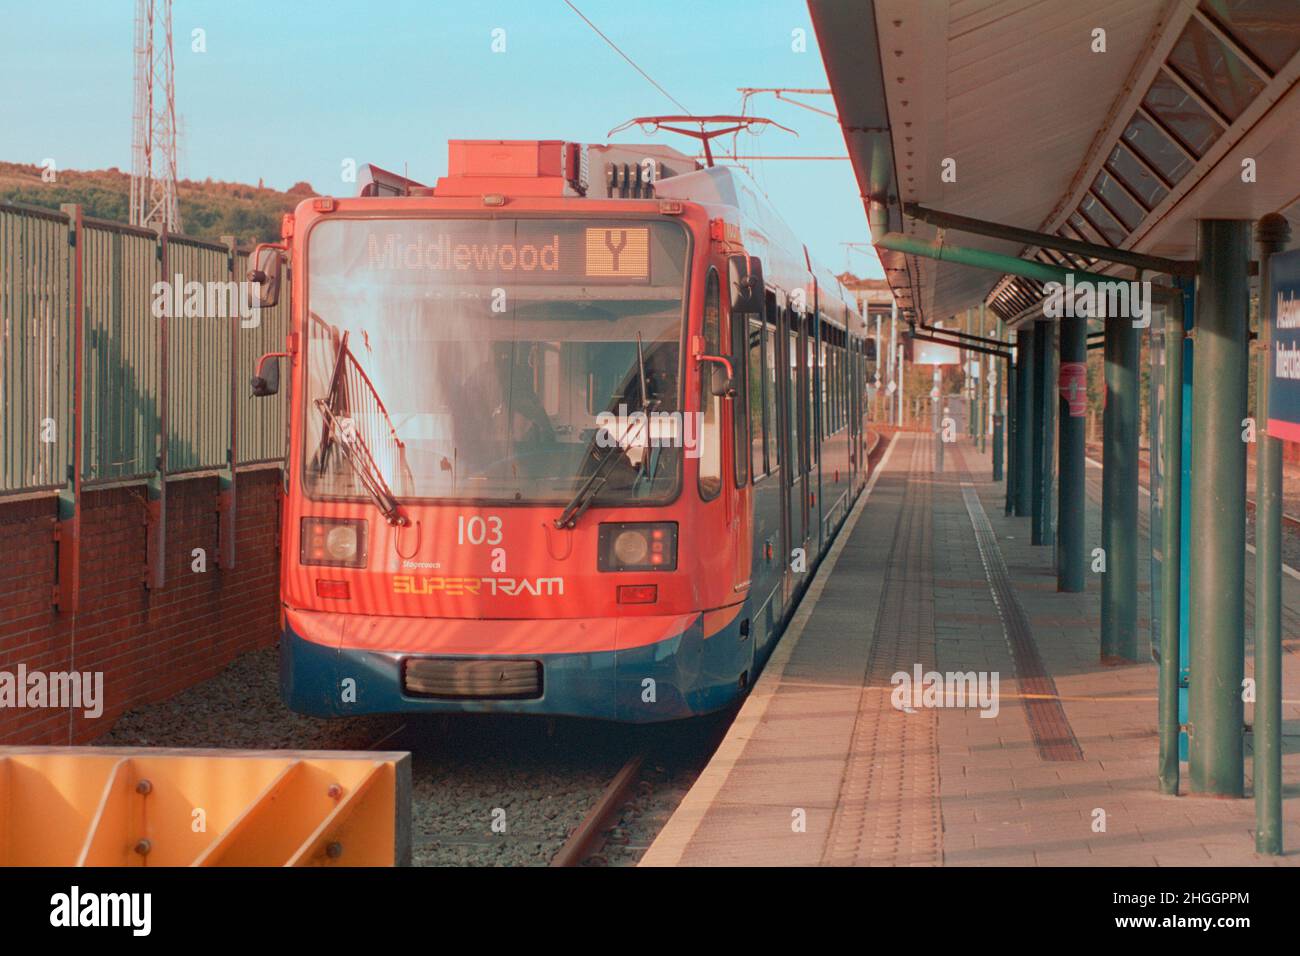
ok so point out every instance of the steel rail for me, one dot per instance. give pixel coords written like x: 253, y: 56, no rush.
x: 589, y: 834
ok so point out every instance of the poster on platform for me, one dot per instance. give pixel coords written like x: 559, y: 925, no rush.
x: 1284, y: 352
x: 932, y: 353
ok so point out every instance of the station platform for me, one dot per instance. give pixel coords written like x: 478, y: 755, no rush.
x: 820, y: 767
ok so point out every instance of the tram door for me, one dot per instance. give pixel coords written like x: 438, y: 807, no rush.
x: 781, y: 434
x: 748, y: 382
x: 859, y: 366
x: 799, y: 374
x: 794, y: 500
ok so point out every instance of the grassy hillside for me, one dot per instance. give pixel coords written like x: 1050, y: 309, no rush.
x: 209, y: 209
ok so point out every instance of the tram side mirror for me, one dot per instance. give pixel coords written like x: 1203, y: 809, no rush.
x: 746, y: 277
x: 264, y: 276
x: 721, y: 384
x: 267, y: 380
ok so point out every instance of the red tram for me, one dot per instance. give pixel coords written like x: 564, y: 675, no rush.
x: 561, y: 442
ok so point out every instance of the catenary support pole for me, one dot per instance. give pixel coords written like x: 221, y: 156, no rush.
x: 901, y: 381
x: 986, y: 396
x: 1216, y: 585
x: 936, y: 418
x: 1037, y: 480
x: 880, y: 378
x: 893, y: 377
x: 1024, y: 421
x: 999, y: 371
x: 1048, y: 404
x: 972, y: 407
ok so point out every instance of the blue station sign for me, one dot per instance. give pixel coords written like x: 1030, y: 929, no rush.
x: 1284, y: 351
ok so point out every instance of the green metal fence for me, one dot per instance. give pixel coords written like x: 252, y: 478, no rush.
x: 36, y: 354
x: 159, y: 393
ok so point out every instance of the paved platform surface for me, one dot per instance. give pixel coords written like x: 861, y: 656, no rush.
x: 820, y: 767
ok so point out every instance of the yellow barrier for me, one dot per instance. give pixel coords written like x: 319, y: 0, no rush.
x: 138, y: 806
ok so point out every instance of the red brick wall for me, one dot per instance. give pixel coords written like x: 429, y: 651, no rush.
x: 148, y: 644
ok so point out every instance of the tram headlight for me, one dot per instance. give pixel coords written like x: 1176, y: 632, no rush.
x: 641, y: 546
x: 333, y: 542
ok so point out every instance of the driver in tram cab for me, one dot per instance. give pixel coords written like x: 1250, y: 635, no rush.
x: 504, y: 386
x: 661, y: 396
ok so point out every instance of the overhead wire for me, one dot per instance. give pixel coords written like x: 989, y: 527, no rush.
x: 615, y: 47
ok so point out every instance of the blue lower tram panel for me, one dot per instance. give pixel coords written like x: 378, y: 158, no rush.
x: 684, y: 676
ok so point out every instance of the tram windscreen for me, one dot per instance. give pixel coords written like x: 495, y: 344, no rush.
x: 474, y: 356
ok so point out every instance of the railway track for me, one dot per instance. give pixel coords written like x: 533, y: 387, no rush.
x: 1144, y: 466
x: 486, y: 790
x: 589, y: 836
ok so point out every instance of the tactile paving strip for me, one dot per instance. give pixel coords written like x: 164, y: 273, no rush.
x: 888, y: 813
x: 1052, y: 732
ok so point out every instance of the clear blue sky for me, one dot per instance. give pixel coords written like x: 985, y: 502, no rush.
x: 287, y: 90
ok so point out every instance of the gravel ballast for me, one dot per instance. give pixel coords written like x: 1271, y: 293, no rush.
x: 488, y: 790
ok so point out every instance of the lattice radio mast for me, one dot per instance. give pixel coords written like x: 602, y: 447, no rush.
x: 153, y: 146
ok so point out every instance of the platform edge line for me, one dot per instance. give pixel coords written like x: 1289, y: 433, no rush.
x: 671, y: 843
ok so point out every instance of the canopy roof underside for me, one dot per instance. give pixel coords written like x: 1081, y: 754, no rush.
x: 1120, y: 122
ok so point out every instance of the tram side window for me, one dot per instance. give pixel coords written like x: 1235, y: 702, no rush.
x: 842, y: 366
x: 710, y: 437
x: 757, y: 408
x: 834, y: 368
x: 851, y: 400
x: 833, y: 398
x: 859, y: 373
x: 770, y: 421
x: 847, y: 360
x: 810, y: 352
x: 836, y: 396
x: 822, y: 372
x: 848, y: 380
x: 740, y: 405
x: 792, y: 407
x: 857, y: 379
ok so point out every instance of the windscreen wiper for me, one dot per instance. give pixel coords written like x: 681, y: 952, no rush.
x: 342, y: 430
x: 357, y: 454
x: 599, y: 476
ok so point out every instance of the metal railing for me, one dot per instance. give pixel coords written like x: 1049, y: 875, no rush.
x: 125, y: 356
x: 157, y: 394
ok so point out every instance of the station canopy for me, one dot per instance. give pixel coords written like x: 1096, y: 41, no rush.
x: 1045, y: 131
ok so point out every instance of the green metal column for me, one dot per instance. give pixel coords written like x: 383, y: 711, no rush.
x: 1012, y: 460
x: 1037, y: 478
x: 1216, y: 582
x: 1048, y: 424
x: 937, y: 417
x: 1171, y: 505
x: 968, y: 384
x: 1072, y: 566
x: 1000, y: 372
x: 1272, y: 234
x: 986, y: 362
x: 1119, y: 492
x: 1024, y: 422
